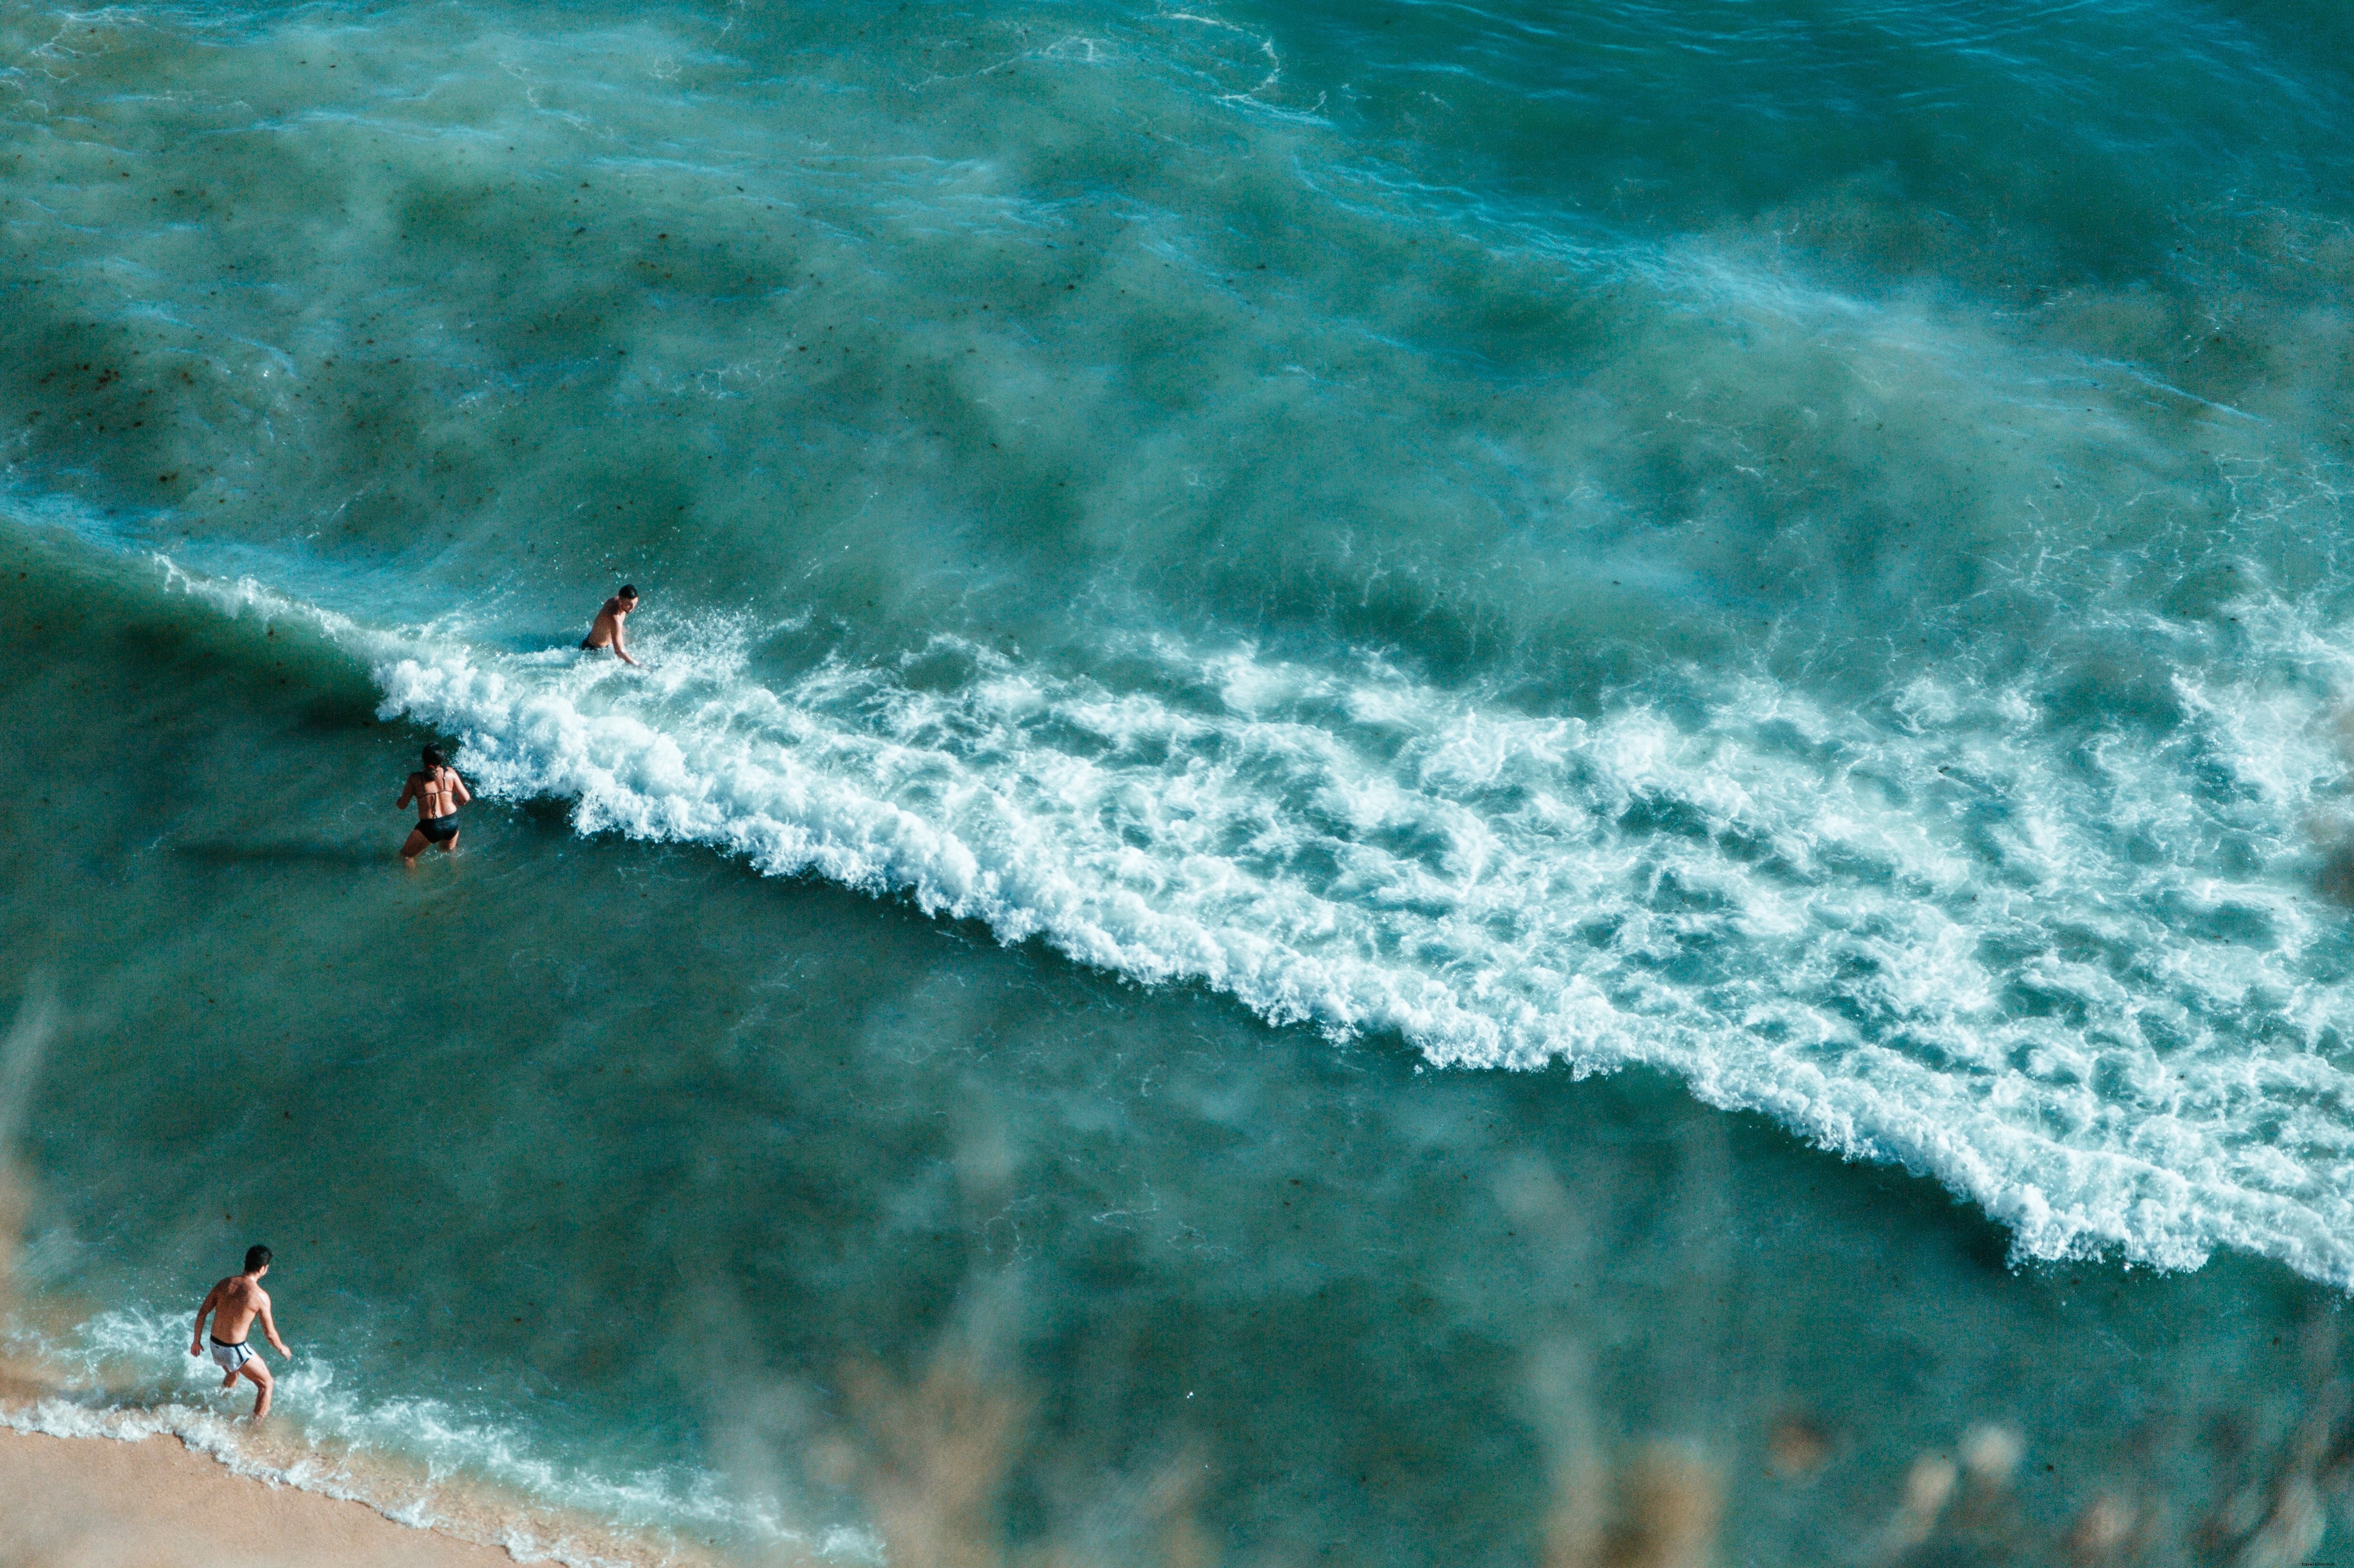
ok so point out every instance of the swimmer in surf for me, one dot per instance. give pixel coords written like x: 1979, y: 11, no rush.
x: 234, y: 1304
x: 604, y: 631
x: 439, y: 793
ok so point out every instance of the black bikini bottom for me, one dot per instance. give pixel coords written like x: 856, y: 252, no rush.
x: 438, y: 830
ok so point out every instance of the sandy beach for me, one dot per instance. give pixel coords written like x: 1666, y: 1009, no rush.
x: 159, y: 1500
x: 73, y: 1502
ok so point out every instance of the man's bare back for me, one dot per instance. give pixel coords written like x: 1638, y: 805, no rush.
x: 607, y: 631
x: 237, y: 1302
x: 234, y: 1304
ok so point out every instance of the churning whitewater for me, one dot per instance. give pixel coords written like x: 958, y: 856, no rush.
x: 1913, y: 935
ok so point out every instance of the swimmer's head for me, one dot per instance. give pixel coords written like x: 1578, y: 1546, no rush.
x: 628, y: 594
x: 257, y: 1258
x: 433, y: 757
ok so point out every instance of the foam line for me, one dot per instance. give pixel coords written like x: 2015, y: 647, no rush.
x: 1926, y: 936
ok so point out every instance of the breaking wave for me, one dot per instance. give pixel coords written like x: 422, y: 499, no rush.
x: 2091, y: 983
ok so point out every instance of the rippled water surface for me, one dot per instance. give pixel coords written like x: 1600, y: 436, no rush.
x: 1331, y: 695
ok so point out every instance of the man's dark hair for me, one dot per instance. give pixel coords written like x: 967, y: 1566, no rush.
x: 257, y: 1258
x: 627, y: 592
x: 432, y: 757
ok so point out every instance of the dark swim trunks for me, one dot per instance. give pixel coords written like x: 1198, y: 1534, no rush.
x: 438, y: 830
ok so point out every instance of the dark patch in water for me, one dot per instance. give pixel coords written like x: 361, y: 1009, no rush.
x: 283, y: 851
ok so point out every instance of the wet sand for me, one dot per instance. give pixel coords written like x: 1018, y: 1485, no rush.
x: 73, y: 1502
x: 153, y: 1500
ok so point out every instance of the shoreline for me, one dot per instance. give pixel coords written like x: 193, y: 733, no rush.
x: 99, y: 1486
x: 96, y: 1472
x: 154, y: 1500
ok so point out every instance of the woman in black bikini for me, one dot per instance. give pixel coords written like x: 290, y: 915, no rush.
x: 439, y: 793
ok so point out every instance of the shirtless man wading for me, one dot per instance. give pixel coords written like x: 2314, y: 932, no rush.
x: 439, y: 793
x: 604, y: 631
x: 234, y: 1304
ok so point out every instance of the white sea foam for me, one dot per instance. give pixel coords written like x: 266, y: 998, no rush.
x: 2089, y: 986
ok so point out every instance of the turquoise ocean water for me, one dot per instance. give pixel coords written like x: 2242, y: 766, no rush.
x: 1384, y: 748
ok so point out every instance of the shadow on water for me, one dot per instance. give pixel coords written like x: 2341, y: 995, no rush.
x: 284, y: 852
x: 2334, y: 881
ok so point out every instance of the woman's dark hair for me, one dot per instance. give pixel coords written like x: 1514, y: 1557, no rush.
x: 256, y: 1258
x: 433, y: 758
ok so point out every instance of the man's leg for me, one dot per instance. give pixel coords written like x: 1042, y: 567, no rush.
x: 260, y: 1377
x: 414, y: 847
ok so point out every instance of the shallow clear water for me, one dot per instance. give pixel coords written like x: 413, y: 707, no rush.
x: 1216, y: 579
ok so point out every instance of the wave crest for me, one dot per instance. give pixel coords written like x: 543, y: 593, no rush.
x: 2081, y: 979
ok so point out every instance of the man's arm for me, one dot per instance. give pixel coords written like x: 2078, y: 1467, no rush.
x: 620, y: 618
x: 196, y: 1340
x: 270, y: 1329
x: 407, y: 790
